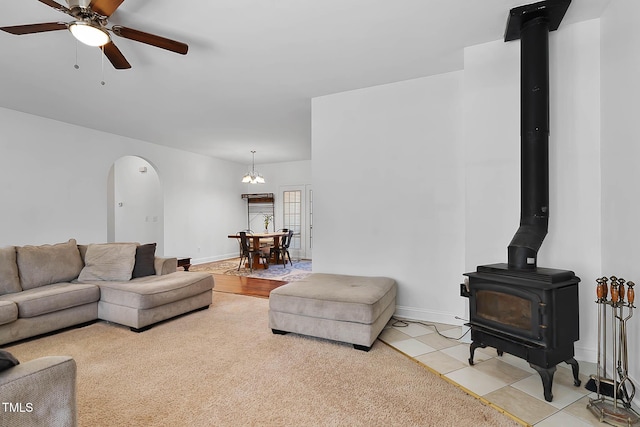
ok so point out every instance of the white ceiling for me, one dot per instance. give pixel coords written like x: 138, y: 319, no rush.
x: 252, y: 68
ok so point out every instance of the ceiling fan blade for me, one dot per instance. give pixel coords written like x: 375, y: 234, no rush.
x: 150, y: 39
x: 35, y: 28
x: 116, y: 57
x: 56, y: 6
x: 104, y: 7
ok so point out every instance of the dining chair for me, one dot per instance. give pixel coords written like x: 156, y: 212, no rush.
x: 247, y: 252
x: 249, y: 233
x: 283, y: 249
x: 272, y: 248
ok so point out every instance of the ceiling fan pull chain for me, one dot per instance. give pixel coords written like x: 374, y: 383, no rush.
x: 102, y: 56
x: 76, y: 66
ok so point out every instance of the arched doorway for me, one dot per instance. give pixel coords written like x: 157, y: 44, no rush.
x: 135, y: 203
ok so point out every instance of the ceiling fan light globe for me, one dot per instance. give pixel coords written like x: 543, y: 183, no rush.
x: 89, y: 34
x: 246, y: 179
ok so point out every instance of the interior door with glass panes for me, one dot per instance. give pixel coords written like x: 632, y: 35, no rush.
x: 296, y: 213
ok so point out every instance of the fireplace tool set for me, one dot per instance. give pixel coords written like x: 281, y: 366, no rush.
x: 615, y: 392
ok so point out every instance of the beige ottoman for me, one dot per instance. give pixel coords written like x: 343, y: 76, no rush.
x: 351, y: 309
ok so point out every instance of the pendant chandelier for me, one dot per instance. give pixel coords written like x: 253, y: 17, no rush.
x: 253, y: 177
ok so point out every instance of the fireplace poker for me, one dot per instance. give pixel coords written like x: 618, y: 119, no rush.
x: 615, y: 295
x: 601, y: 368
x: 623, y: 355
x: 600, y: 383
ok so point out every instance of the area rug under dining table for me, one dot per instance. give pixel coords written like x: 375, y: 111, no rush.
x: 299, y: 270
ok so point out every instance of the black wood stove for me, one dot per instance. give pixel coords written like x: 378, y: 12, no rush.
x: 517, y: 307
x: 532, y: 315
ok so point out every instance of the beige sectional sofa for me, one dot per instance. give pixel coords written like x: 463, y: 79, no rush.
x: 49, y: 287
x: 40, y: 392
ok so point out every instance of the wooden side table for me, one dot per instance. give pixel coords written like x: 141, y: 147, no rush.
x: 184, y: 263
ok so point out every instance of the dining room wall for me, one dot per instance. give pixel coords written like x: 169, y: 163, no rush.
x: 278, y: 176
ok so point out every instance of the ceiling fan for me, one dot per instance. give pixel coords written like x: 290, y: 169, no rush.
x: 90, y: 27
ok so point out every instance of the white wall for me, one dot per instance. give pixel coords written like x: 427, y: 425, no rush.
x: 388, y: 180
x: 492, y: 140
x: 621, y: 153
x: 138, y: 206
x: 492, y: 151
x: 419, y: 180
x: 55, y: 178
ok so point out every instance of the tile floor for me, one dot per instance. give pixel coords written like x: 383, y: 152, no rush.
x: 506, y: 381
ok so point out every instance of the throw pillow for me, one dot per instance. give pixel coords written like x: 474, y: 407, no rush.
x: 145, y: 257
x: 7, y: 360
x: 108, y: 261
x: 47, y: 264
x: 9, y: 279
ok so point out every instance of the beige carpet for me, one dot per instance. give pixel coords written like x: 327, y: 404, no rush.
x: 224, y: 367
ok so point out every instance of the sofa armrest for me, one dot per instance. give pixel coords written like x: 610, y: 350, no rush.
x: 40, y: 392
x: 165, y: 265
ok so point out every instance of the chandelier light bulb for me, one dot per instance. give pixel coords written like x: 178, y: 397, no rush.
x: 253, y: 177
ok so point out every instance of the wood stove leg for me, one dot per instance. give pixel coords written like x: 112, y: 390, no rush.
x: 547, y: 380
x: 472, y: 349
x: 576, y: 369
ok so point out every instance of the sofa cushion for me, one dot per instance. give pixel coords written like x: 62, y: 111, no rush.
x: 7, y: 360
x: 47, y: 264
x: 83, y: 248
x: 83, y: 251
x: 8, y: 312
x: 153, y: 291
x: 108, y: 261
x: 51, y: 298
x: 165, y: 265
x: 9, y: 278
x: 145, y: 257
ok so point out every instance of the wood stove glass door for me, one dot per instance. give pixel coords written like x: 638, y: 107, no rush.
x: 504, y: 308
x: 515, y: 312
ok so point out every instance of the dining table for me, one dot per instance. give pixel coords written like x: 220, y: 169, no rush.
x: 255, y: 240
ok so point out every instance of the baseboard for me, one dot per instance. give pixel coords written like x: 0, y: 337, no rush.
x: 196, y: 261
x: 585, y: 354
x: 414, y: 313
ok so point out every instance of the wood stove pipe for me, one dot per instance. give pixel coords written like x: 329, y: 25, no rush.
x: 534, y: 144
x: 532, y: 24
